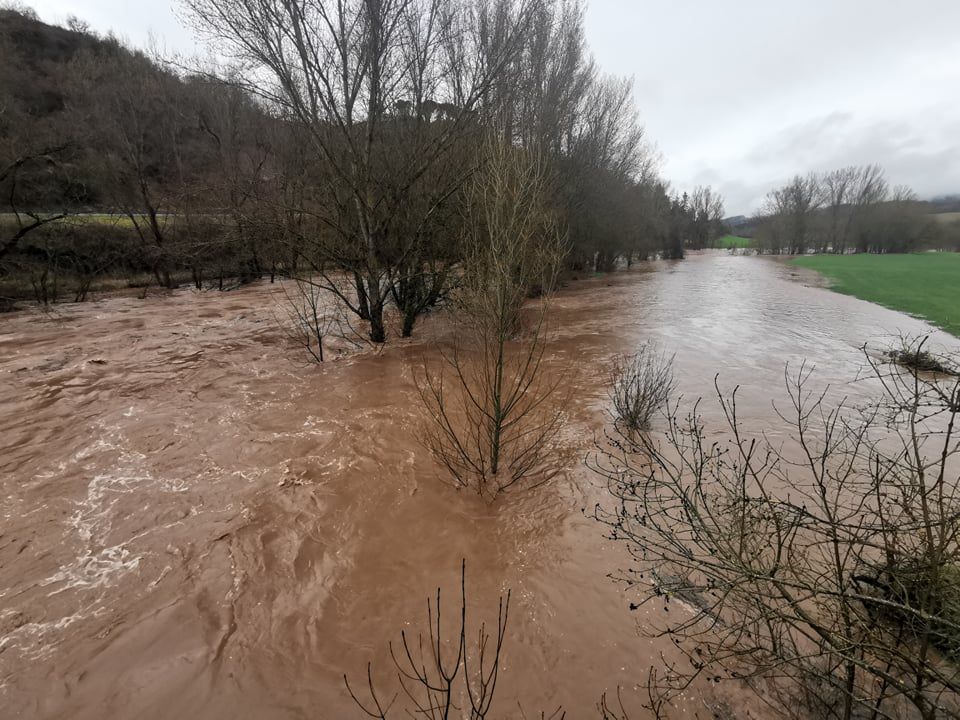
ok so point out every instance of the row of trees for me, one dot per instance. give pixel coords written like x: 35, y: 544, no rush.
x: 393, y: 103
x: 853, y: 209
x: 336, y: 146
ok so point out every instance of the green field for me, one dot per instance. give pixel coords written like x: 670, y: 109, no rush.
x: 734, y: 241
x: 85, y: 219
x: 926, y: 285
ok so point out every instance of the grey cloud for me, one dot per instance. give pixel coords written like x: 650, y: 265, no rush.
x: 798, y: 142
x: 914, y: 156
x: 745, y: 93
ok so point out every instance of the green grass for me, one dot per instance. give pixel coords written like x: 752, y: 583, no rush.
x: 926, y: 285
x: 104, y: 219
x: 734, y: 241
x: 107, y: 219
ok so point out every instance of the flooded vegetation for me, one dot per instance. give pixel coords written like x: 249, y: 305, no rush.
x: 375, y: 361
x: 197, y: 522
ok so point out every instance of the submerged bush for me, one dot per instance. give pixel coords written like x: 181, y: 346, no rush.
x: 914, y: 357
x: 917, y: 597
x: 821, y: 570
x: 641, y: 384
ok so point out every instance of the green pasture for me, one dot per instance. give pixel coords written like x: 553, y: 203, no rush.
x: 734, y: 241
x: 926, y: 285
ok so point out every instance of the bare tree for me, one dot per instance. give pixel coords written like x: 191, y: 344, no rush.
x: 21, y: 221
x: 34, y: 154
x: 142, y: 129
x: 308, y: 322
x: 606, y: 160
x: 557, y: 76
x: 790, y: 210
x: 837, y: 188
x: 385, y: 92
x: 640, y: 386
x: 494, y: 410
x: 870, y: 188
x: 706, y: 205
x: 823, y: 571
x: 852, y: 208
x: 312, y: 318
x: 445, y: 675
x: 438, y: 677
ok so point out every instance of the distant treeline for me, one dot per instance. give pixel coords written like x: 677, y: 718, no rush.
x: 853, y: 209
x: 332, y: 146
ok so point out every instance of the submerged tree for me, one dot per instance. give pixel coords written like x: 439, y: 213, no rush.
x: 438, y: 676
x: 494, y: 410
x: 313, y: 319
x: 442, y: 675
x: 826, y: 570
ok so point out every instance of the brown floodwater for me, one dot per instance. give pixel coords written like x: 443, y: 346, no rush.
x: 197, y: 524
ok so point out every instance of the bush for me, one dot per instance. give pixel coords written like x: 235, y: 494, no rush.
x: 913, y: 357
x: 641, y: 384
x: 831, y: 580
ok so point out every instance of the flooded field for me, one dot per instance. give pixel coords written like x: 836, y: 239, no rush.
x: 195, y: 523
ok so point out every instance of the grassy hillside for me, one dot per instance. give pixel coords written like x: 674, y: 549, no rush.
x: 926, y: 285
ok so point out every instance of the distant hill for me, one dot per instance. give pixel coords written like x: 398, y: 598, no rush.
x: 740, y: 225
x: 944, y: 204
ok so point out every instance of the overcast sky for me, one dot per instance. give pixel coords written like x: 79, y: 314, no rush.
x: 742, y: 94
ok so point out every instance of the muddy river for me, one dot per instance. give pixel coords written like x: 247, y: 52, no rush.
x: 194, y: 523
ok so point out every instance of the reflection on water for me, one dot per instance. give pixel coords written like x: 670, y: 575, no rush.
x: 194, y: 525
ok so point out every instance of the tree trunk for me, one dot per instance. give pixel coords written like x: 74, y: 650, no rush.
x: 409, y: 320
x: 363, y: 304
x: 378, y: 332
